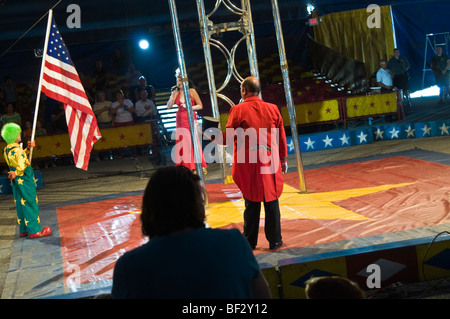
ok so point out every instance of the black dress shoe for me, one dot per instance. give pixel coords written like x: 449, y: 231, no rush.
x: 277, y: 245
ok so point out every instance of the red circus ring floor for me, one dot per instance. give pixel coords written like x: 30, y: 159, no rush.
x: 359, y: 202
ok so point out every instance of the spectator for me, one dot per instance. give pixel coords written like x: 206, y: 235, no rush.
x: 59, y: 123
x: 27, y: 132
x: 40, y: 131
x: 122, y: 110
x: 399, y: 66
x: 132, y: 78
x: 145, y: 109
x: 2, y: 102
x: 333, y: 287
x: 10, y: 92
x: 384, y: 77
x: 440, y: 65
x: 143, y: 85
x: 119, y: 62
x: 101, y: 77
x: 183, y: 259
x: 101, y: 110
x: 11, y: 116
x: 50, y: 106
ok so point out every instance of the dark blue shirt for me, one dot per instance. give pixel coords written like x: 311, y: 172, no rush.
x: 203, y: 263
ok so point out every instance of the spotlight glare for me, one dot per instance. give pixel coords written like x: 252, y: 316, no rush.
x: 143, y: 44
x: 431, y: 91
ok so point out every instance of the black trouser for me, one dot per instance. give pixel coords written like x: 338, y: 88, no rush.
x: 272, y: 226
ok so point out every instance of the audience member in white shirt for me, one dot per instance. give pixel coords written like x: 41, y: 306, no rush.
x: 384, y: 77
x: 122, y: 110
x: 145, y: 109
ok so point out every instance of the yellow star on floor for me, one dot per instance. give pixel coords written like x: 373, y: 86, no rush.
x: 294, y: 205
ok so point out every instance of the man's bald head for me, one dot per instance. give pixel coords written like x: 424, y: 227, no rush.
x: 250, y: 87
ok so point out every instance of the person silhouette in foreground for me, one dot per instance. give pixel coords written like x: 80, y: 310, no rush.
x: 333, y: 287
x: 183, y: 258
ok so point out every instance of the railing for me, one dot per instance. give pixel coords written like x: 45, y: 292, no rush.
x: 338, y: 68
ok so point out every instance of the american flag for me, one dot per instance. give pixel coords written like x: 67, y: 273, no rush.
x: 61, y: 82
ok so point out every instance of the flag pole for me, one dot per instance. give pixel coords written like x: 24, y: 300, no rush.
x: 38, y: 97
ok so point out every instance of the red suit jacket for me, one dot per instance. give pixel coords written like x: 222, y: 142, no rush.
x: 259, y: 176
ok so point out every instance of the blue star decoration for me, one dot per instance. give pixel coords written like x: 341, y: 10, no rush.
x: 352, y: 137
x: 410, y: 131
x: 394, y: 132
x: 362, y: 137
x: 444, y: 129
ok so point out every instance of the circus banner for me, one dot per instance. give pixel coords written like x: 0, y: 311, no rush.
x: 367, y: 105
x: 316, y: 112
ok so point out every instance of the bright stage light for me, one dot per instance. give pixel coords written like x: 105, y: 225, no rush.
x: 143, y: 44
x: 431, y: 91
x: 310, y: 8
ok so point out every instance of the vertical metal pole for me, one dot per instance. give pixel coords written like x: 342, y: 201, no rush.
x: 288, y: 93
x: 209, y: 70
x: 38, y: 96
x: 253, y: 61
x: 187, y: 95
x: 425, y: 61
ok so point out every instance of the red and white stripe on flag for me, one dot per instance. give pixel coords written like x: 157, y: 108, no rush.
x: 61, y: 82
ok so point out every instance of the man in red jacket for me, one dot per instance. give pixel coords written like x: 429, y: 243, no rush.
x: 260, y: 159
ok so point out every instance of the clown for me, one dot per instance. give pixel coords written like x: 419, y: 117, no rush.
x: 23, y: 183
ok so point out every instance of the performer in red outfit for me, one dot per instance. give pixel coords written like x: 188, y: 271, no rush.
x: 260, y: 179
x: 183, y: 144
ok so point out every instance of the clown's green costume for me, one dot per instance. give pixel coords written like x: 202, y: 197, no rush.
x: 23, y: 184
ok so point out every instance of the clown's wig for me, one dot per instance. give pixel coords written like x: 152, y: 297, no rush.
x: 10, y: 132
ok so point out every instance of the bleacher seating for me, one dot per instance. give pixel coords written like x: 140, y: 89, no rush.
x: 306, y: 87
